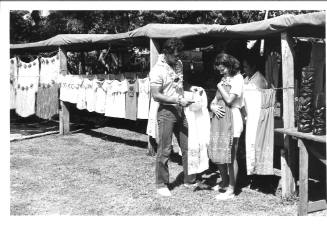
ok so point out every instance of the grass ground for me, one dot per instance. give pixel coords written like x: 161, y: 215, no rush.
x: 106, y: 171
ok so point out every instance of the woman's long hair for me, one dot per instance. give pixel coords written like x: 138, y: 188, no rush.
x: 229, y: 61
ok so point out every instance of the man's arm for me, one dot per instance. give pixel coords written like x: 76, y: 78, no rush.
x: 161, y: 98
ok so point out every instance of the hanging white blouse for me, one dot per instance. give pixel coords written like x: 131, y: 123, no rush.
x: 76, y: 84
x: 91, y: 95
x: 81, y: 97
x: 69, y: 88
x: 100, y: 97
x: 64, y: 92
x: 115, y: 99
x: 27, y: 85
x: 13, y: 82
x: 49, y: 70
x: 143, y: 98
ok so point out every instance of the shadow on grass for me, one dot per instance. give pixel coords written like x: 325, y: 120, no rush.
x: 115, y: 139
x: 177, y: 182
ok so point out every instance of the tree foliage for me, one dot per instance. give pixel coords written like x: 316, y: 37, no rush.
x: 32, y: 26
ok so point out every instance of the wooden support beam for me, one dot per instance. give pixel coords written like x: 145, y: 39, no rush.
x: 288, y: 157
x: 154, y: 53
x: 64, y: 127
x: 317, y: 205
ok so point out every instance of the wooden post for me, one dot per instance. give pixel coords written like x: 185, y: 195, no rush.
x: 154, y: 52
x: 304, y: 158
x: 81, y: 64
x: 64, y: 108
x: 288, y: 157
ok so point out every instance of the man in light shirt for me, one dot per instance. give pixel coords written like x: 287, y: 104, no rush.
x: 166, y: 81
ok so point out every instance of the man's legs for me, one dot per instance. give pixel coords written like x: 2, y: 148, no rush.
x: 166, y: 121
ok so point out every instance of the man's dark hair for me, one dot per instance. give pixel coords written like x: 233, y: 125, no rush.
x: 252, y: 59
x: 229, y: 61
x: 171, y: 45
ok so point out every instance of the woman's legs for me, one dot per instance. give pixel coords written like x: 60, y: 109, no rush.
x: 232, y: 176
x: 233, y: 167
x: 224, y: 175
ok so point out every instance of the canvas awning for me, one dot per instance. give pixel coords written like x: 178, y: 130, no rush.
x: 304, y: 25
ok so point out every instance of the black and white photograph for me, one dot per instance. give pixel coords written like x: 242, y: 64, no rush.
x: 194, y: 110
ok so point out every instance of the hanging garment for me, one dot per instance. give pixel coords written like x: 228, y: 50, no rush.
x: 115, y: 99
x: 252, y: 103
x: 237, y: 88
x: 47, y: 101
x: 264, y: 144
x: 13, y: 82
x: 131, y: 99
x: 91, y: 95
x: 81, y: 96
x: 109, y: 86
x: 27, y: 84
x: 76, y: 84
x: 62, y: 80
x: 100, y: 97
x: 47, y: 104
x: 69, y: 88
x: 143, y: 98
x: 198, y: 120
x: 49, y: 71
x: 272, y: 67
x: 152, y: 126
x: 221, y: 133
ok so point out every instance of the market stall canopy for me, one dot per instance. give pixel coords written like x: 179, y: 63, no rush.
x: 314, y: 22
x: 72, y: 42
x: 303, y: 25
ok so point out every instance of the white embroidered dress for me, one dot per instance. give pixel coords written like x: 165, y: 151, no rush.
x: 198, y: 119
x: 27, y: 85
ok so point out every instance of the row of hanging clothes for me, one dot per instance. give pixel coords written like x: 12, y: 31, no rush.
x: 37, y: 86
x: 34, y: 87
x: 125, y: 95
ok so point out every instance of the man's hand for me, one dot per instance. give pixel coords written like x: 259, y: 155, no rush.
x: 185, y: 102
x: 218, y: 110
x: 194, y: 88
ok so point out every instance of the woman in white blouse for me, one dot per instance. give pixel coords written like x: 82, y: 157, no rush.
x: 230, y: 90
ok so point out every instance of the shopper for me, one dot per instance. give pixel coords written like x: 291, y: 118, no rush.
x: 166, y: 83
x: 230, y: 92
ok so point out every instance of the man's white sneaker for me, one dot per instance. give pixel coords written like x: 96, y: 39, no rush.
x: 164, y: 192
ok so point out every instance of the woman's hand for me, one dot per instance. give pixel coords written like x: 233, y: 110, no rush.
x: 220, y: 85
x: 218, y: 110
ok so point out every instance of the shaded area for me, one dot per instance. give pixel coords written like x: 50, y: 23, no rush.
x: 116, y: 139
x: 30, y: 125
